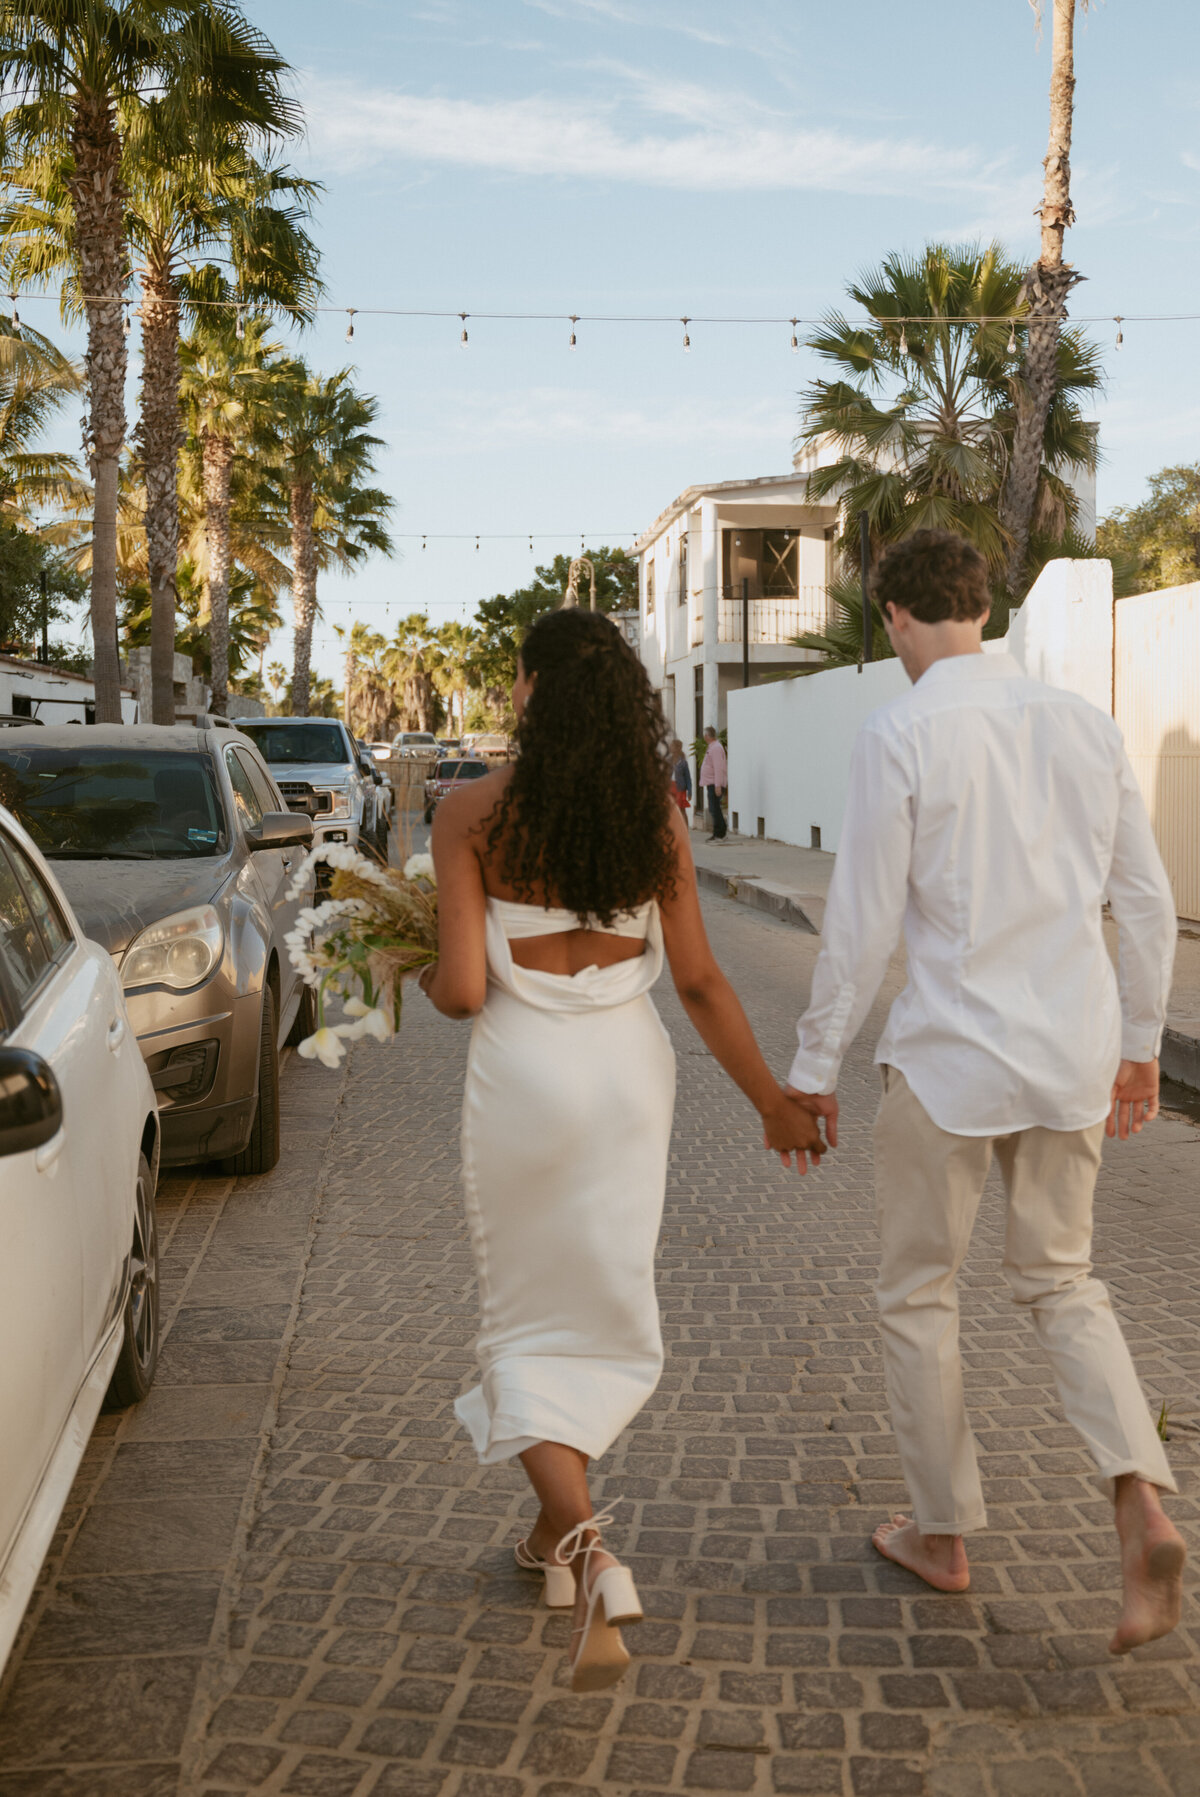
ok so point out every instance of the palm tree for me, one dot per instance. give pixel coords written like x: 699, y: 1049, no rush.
x: 71, y: 64
x: 318, y: 449
x: 458, y: 643
x: 222, y: 378
x: 922, y: 410
x: 183, y: 205
x: 35, y: 380
x: 1046, y: 287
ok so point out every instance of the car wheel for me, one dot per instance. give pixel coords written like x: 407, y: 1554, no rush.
x: 262, y: 1150
x: 305, y: 1021
x: 133, y: 1374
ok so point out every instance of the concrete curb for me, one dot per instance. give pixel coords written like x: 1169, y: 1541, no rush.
x: 1180, y: 1058
x: 761, y: 896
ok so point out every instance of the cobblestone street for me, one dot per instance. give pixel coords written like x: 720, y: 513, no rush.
x: 287, y: 1574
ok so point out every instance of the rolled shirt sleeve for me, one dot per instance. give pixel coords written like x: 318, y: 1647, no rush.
x: 1143, y: 909
x: 864, y: 911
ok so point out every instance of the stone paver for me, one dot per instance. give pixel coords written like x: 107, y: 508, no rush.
x: 369, y: 1634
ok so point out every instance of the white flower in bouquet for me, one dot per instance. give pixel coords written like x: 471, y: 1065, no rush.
x: 420, y: 867
x: 324, y: 1046
x: 377, y: 927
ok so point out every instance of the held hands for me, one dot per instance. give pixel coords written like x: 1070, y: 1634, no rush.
x: 1134, y: 1098
x: 791, y: 1126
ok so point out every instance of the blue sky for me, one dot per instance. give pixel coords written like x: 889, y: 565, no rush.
x: 652, y: 156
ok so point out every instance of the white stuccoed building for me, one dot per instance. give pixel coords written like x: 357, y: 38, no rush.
x: 712, y: 548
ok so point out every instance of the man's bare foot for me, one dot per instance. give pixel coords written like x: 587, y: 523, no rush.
x: 1152, y: 1557
x: 941, y: 1560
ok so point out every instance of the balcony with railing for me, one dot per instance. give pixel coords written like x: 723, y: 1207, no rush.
x: 772, y: 617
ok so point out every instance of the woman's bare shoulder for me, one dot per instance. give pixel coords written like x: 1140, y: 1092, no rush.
x: 472, y: 801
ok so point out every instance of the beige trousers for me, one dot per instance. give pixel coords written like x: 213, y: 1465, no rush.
x: 928, y: 1185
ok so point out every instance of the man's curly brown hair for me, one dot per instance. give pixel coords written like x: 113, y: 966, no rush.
x: 585, y: 819
x: 934, y: 575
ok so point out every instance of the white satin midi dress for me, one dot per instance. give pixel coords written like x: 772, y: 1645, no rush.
x: 566, y: 1125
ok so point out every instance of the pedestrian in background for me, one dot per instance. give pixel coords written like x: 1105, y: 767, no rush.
x: 988, y: 818
x: 681, y: 777
x: 714, y: 780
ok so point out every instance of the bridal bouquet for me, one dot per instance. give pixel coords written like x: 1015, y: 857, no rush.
x: 357, y: 945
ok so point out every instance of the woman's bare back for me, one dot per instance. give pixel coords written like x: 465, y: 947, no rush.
x: 565, y: 951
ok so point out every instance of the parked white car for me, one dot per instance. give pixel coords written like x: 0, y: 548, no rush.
x: 78, y: 1163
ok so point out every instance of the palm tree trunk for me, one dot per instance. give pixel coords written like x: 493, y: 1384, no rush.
x: 160, y: 438
x: 217, y: 466
x: 1046, y: 286
x: 304, y: 594
x: 97, y: 199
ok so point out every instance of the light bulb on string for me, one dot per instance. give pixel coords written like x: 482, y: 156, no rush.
x: 16, y: 316
x: 1118, y: 321
x: 795, y: 339
x: 477, y: 545
x: 128, y: 324
x: 574, y: 322
x: 687, y: 342
x: 531, y: 542
x: 903, y: 341
x: 350, y: 327
x: 463, y: 339
x: 1012, y: 337
x: 422, y: 542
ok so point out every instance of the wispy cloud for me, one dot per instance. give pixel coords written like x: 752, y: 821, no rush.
x: 484, y: 422
x: 620, y: 14
x: 354, y: 126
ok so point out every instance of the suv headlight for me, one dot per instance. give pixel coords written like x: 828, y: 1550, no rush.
x: 339, y: 802
x: 179, y: 952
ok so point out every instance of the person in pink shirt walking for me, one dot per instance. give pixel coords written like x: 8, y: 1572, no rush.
x: 714, y: 779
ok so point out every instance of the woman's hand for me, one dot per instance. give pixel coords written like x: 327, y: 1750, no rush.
x: 790, y: 1127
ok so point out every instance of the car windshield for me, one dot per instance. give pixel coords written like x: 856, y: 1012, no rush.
x: 418, y: 739
x: 460, y: 770
x: 321, y: 745
x: 114, y: 804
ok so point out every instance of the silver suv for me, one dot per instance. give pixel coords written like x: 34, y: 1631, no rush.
x: 316, y: 767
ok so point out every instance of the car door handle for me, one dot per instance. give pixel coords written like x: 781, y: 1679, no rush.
x: 47, y: 1155
x: 116, y: 1034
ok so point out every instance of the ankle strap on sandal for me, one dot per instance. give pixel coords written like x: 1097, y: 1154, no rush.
x: 573, y: 1544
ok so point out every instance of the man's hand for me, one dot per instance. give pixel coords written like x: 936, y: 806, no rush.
x: 821, y: 1104
x: 790, y: 1128
x: 1134, y: 1098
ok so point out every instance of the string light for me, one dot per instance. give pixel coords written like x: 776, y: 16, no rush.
x: 16, y: 316
x: 1118, y: 321
x: 463, y: 339
x: 477, y: 545
x: 422, y: 542
x: 903, y: 341
x: 350, y: 327
x: 1012, y: 338
x: 795, y: 339
x: 687, y: 342
x: 128, y: 324
x: 574, y: 322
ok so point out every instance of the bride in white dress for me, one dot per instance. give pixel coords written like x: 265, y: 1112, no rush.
x: 562, y: 880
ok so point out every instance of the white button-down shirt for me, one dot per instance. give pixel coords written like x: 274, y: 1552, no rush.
x: 989, y: 816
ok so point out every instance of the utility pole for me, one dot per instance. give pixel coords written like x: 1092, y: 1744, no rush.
x: 45, y: 586
x: 864, y: 556
x: 745, y: 631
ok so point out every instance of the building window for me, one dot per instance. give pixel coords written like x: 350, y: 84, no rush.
x: 768, y: 559
x: 22, y: 705
x: 780, y: 560
x: 649, y: 586
x: 683, y: 568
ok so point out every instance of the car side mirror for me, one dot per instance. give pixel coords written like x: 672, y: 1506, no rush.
x: 30, y: 1102
x: 377, y: 776
x: 281, y: 830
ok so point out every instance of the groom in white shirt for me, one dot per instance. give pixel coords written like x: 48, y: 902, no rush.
x: 989, y: 817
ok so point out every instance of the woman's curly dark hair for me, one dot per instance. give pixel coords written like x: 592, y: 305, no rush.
x: 586, y: 817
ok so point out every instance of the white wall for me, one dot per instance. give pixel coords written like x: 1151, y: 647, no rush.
x: 789, y: 748
x: 790, y: 740
x: 1063, y: 634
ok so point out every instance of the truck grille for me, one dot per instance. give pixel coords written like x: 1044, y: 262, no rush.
x: 300, y: 796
